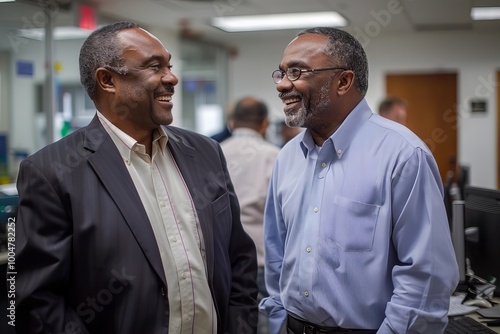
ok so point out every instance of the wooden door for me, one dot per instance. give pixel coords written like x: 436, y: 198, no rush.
x: 432, y: 113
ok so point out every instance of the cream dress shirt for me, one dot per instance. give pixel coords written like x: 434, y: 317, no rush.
x: 175, y: 224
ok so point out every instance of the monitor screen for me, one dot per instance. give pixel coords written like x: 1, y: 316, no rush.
x: 482, y: 225
x: 463, y: 179
x: 458, y: 239
x: 454, y: 189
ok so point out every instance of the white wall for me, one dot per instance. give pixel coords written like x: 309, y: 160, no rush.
x: 474, y: 57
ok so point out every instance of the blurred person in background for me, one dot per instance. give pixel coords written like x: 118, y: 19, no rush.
x: 250, y: 159
x: 394, y: 108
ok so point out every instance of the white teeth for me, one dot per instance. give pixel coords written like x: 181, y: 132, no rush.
x: 288, y: 101
x: 164, y: 98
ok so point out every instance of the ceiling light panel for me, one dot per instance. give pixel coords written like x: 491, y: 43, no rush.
x: 278, y: 21
x: 485, y: 13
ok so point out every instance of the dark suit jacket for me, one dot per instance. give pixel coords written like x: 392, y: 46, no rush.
x: 86, y: 257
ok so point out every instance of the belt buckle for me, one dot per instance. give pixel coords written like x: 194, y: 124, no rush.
x: 310, y: 327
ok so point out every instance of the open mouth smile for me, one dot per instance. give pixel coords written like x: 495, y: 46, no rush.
x: 290, y: 100
x: 164, y: 98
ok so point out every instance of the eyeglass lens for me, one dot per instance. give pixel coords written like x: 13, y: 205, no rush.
x: 292, y: 74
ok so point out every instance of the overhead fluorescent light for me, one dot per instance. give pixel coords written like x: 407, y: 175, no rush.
x: 485, y: 13
x: 60, y: 33
x: 7, y: 0
x: 279, y: 21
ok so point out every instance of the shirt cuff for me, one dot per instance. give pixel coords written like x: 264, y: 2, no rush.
x: 275, y: 312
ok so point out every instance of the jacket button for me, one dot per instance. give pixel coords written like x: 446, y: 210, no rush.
x: 162, y: 292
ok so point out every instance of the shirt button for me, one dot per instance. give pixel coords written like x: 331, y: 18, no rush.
x: 308, y: 249
x: 184, y: 275
x: 323, y: 164
x: 339, y: 151
x: 315, y: 210
x: 306, y: 293
x: 173, y: 239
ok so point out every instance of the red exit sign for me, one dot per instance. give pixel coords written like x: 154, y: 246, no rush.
x: 87, y: 18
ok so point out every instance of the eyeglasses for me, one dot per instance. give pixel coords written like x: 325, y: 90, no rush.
x: 294, y: 73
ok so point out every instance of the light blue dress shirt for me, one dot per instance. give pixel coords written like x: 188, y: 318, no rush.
x: 356, y: 231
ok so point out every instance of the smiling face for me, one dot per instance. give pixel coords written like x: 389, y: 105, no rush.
x: 141, y: 98
x: 312, y: 101
x: 309, y: 99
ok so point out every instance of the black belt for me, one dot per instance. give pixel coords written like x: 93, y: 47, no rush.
x: 297, y: 326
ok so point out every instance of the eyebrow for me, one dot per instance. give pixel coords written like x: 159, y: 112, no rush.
x: 158, y: 58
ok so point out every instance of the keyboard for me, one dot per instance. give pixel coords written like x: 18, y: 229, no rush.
x: 466, y: 325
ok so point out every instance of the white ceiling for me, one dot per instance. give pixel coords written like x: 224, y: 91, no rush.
x: 190, y: 17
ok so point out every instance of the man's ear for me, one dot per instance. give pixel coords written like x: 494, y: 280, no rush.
x: 346, y: 81
x: 105, y: 80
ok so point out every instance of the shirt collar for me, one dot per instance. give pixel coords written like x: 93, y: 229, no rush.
x: 125, y: 143
x: 246, y: 132
x: 343, y: 136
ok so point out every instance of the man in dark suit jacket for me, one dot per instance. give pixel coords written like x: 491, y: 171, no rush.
x: 89, y: 256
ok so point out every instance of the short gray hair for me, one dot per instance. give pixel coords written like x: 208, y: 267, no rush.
x: 102, y: 49
x: 347, y: 51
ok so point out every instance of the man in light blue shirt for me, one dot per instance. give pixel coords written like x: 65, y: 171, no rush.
x: 356, y: 230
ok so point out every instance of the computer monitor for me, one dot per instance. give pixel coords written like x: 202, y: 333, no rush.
x: 463, y: 179
x: 482, y: 226
x: 454, y: 188
x: 458, y: 239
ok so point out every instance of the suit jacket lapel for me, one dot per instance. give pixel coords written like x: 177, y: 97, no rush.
x: 186, y: 158
x: 109, y: 166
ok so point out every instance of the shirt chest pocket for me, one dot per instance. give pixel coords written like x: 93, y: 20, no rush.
x: 354, y: 224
